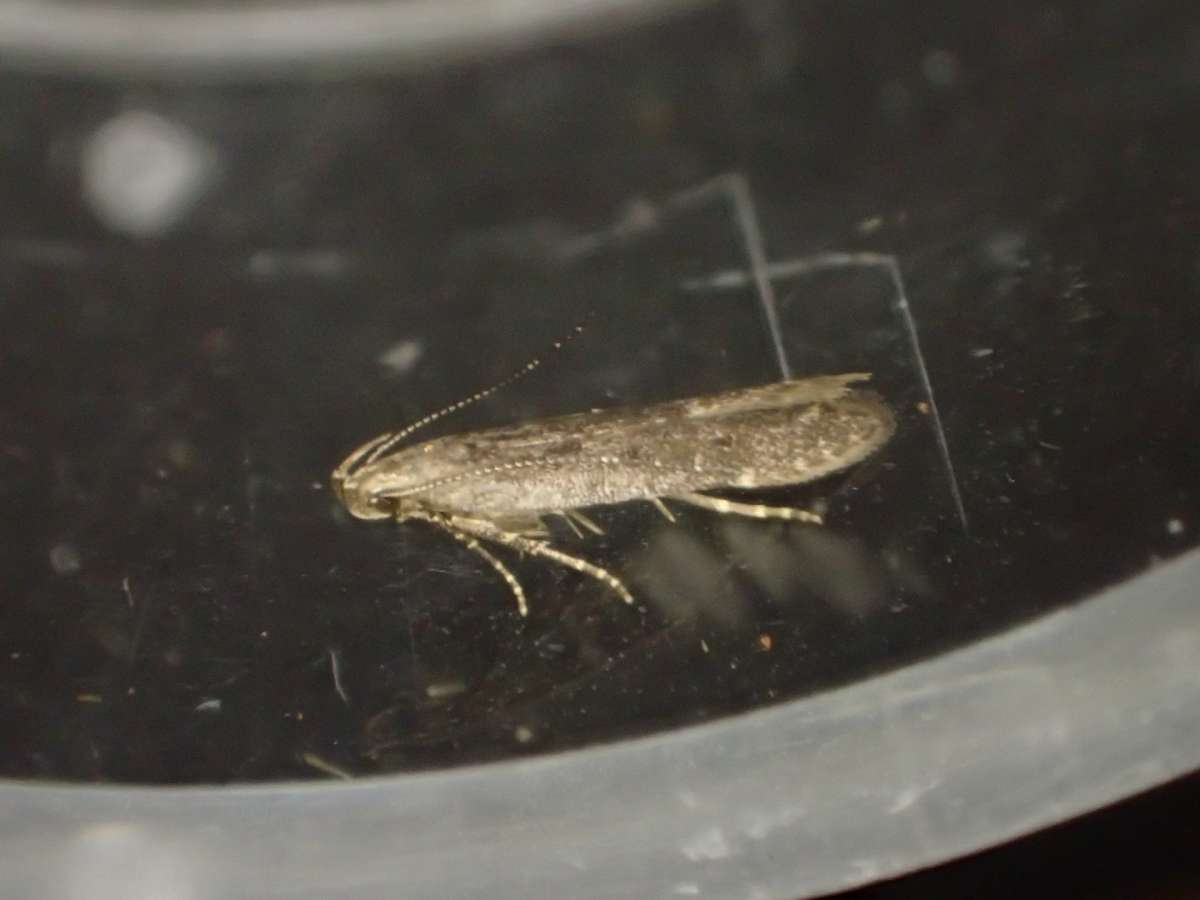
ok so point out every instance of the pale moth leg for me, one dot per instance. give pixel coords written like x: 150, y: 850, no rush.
x: 585, y: 521
x: 752, y: 510
x: 662, y: 508
x: 514, y: 585
x: 490, y: 532
x: 567, y: 516
x: 530, y: 526
x: 465, y: 529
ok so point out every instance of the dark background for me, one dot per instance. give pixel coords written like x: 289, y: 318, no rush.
x: 181, y: 585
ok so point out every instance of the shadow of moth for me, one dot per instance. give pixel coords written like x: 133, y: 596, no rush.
x: 495, y: 486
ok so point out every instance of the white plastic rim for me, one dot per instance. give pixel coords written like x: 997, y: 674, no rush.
x: 263, y: 40
x: 1049, y: 720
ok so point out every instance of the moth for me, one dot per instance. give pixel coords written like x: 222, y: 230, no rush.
x: 497, y: 486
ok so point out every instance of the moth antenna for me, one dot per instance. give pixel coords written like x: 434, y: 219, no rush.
x: 386, y: 446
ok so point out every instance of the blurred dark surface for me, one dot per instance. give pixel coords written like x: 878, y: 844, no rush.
x: 183, y: 364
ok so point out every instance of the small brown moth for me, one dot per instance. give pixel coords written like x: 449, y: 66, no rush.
x: 497, y: 485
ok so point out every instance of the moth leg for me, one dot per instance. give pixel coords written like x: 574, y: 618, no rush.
x: 515, y: 586
x: 490, y: 532
x: 576, y: 516
x: 530, y: 526
x: 662, y: 508
x: 572, y: 516
x: 753, y: 510
x: 566, y: 516
x: 581, y: 565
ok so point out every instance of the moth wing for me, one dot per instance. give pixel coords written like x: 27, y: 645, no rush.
x: 795, y: 392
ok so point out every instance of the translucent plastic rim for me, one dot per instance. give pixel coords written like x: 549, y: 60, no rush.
x: 286, y: 39
x: 1044, y: 722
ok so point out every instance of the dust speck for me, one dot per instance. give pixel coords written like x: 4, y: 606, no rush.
x: 442, y: 689
x: 143, y: 173
x: 941, y: 68
x: 402, y: 356
x: 65, y: 559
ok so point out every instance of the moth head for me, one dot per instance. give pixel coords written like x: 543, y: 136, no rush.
x: 359, y: 483
x: 360, y: 502
x: 377, y: 491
